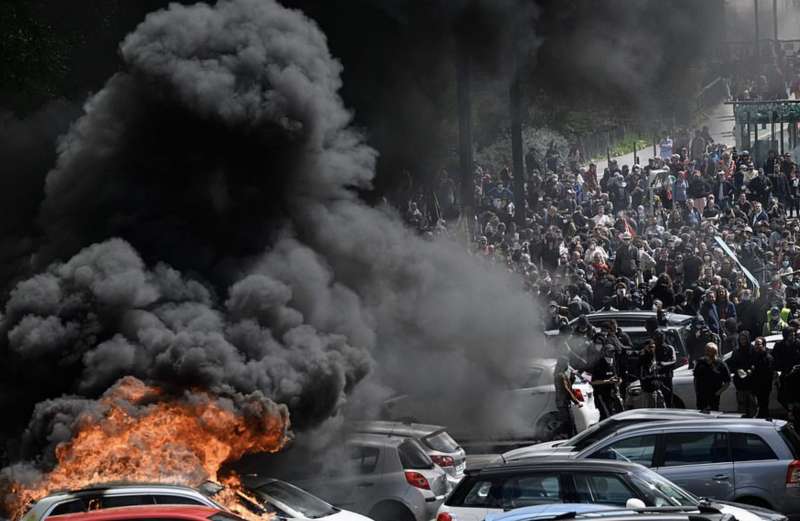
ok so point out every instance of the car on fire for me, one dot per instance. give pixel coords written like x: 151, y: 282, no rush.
x: 684, y: 394
x: 530, y: 407
x: 438, y: 444
x: 150, y: 513
x: 485, y: 492
x: 751, y: 461
x: 275, y: 497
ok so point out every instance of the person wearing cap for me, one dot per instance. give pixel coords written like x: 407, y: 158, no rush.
x: 555, y: 320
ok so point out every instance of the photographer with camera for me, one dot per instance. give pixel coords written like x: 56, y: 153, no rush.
x: 606, y: 381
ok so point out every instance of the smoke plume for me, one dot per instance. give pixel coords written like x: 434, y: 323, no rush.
x: 200, y: 230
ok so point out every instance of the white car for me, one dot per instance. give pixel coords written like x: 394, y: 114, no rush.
x: 287, y: 501
x: 684, y: 394
x: 529, y: 407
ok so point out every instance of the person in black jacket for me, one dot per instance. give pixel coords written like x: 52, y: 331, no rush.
x: 763, y: 374
x: 663, y: 291
x: 786, y: 355
x: 711, y: 378
x: 741, y: 364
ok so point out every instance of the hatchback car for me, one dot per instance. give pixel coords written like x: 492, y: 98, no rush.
x: 385, y: 477
x: 750, y: 461
x: 550, y: 481
x: 595, y: 512
x: 438, y: 444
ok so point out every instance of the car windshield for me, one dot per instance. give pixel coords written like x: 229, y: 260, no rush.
x: 441, y: 441
x: 660, y: 492
x: 295, y: 498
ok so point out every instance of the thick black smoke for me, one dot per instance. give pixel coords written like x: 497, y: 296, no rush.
x: 200, y: 229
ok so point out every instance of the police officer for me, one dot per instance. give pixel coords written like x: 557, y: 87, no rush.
x: 605, y: 381
x: 711, y: 378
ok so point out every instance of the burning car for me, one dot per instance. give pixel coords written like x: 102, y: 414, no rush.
x: 149, y: 512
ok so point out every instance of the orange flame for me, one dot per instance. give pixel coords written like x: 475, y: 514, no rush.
x: 143, y: 435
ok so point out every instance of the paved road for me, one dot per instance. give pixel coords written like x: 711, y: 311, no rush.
x: 720, y: 125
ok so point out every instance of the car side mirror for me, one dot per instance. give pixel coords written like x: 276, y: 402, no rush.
x: 635, y: 503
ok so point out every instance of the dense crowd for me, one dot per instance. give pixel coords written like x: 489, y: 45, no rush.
x: 704, y: 232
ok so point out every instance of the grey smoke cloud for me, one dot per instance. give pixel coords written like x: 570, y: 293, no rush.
x: 201, y: 229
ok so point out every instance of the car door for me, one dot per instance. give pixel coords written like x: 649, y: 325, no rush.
x: 758, y: 470
x: 699, y: 461
x: 532, y: 395
x: 638, y: 448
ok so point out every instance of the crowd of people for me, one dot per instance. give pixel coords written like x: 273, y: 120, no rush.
x: 705, y: 232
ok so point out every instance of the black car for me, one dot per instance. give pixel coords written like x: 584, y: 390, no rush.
x: 542, y: 481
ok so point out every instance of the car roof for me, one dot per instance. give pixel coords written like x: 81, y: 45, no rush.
x: 671, y: 413
x: 141, y: 512
x: 672, y: 318
x: 369, y: 438
x: 554, y: 462
x: 414, y: 430
x: 121, y: 487
x: 749, y: 423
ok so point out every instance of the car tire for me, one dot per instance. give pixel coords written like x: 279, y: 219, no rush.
x: 391, y: 511
x: 754, y: 501
x: 549, y: 425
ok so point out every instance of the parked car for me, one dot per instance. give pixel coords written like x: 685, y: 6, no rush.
x: 633, y: 318
x: 531, y: 412
x: 684, y: 395
x: 383, y: 476
x: 150, y: 513
x: 750, y: 461
x: 634, y: 512
x: 546, y: 481
x: 290, y: 502
x: 438, y: 444
x: 605, y: 428
x: 112, y: 496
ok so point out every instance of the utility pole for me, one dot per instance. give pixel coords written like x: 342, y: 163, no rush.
x: 515, y: 107
x: 775, y: 20
x: 463, y: 77
x: 756, y: 52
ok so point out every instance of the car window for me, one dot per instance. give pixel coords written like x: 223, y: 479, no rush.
x: 660, y: 492
x: 751, y: 447
x: 693, y: 448
x: 637, y: 449
x: 298, y: 499
x: 608, y: 489
x: 73, y: 506
x: 164, y: 499
x: 412, y: 455
x: 791, y: 438
x: 126, y: 501
x: 441, y: 441
x: 508, y: 492
x: 364, y: 459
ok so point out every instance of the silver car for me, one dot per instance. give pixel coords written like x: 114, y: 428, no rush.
x: 115, y: 495
x: 749, y: 461
x: 684, y: 394
x: 438, y: 444
x: 385, y: 477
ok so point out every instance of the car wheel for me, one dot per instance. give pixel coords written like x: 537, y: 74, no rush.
x: 549, y: 425
x: 391, y: 511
